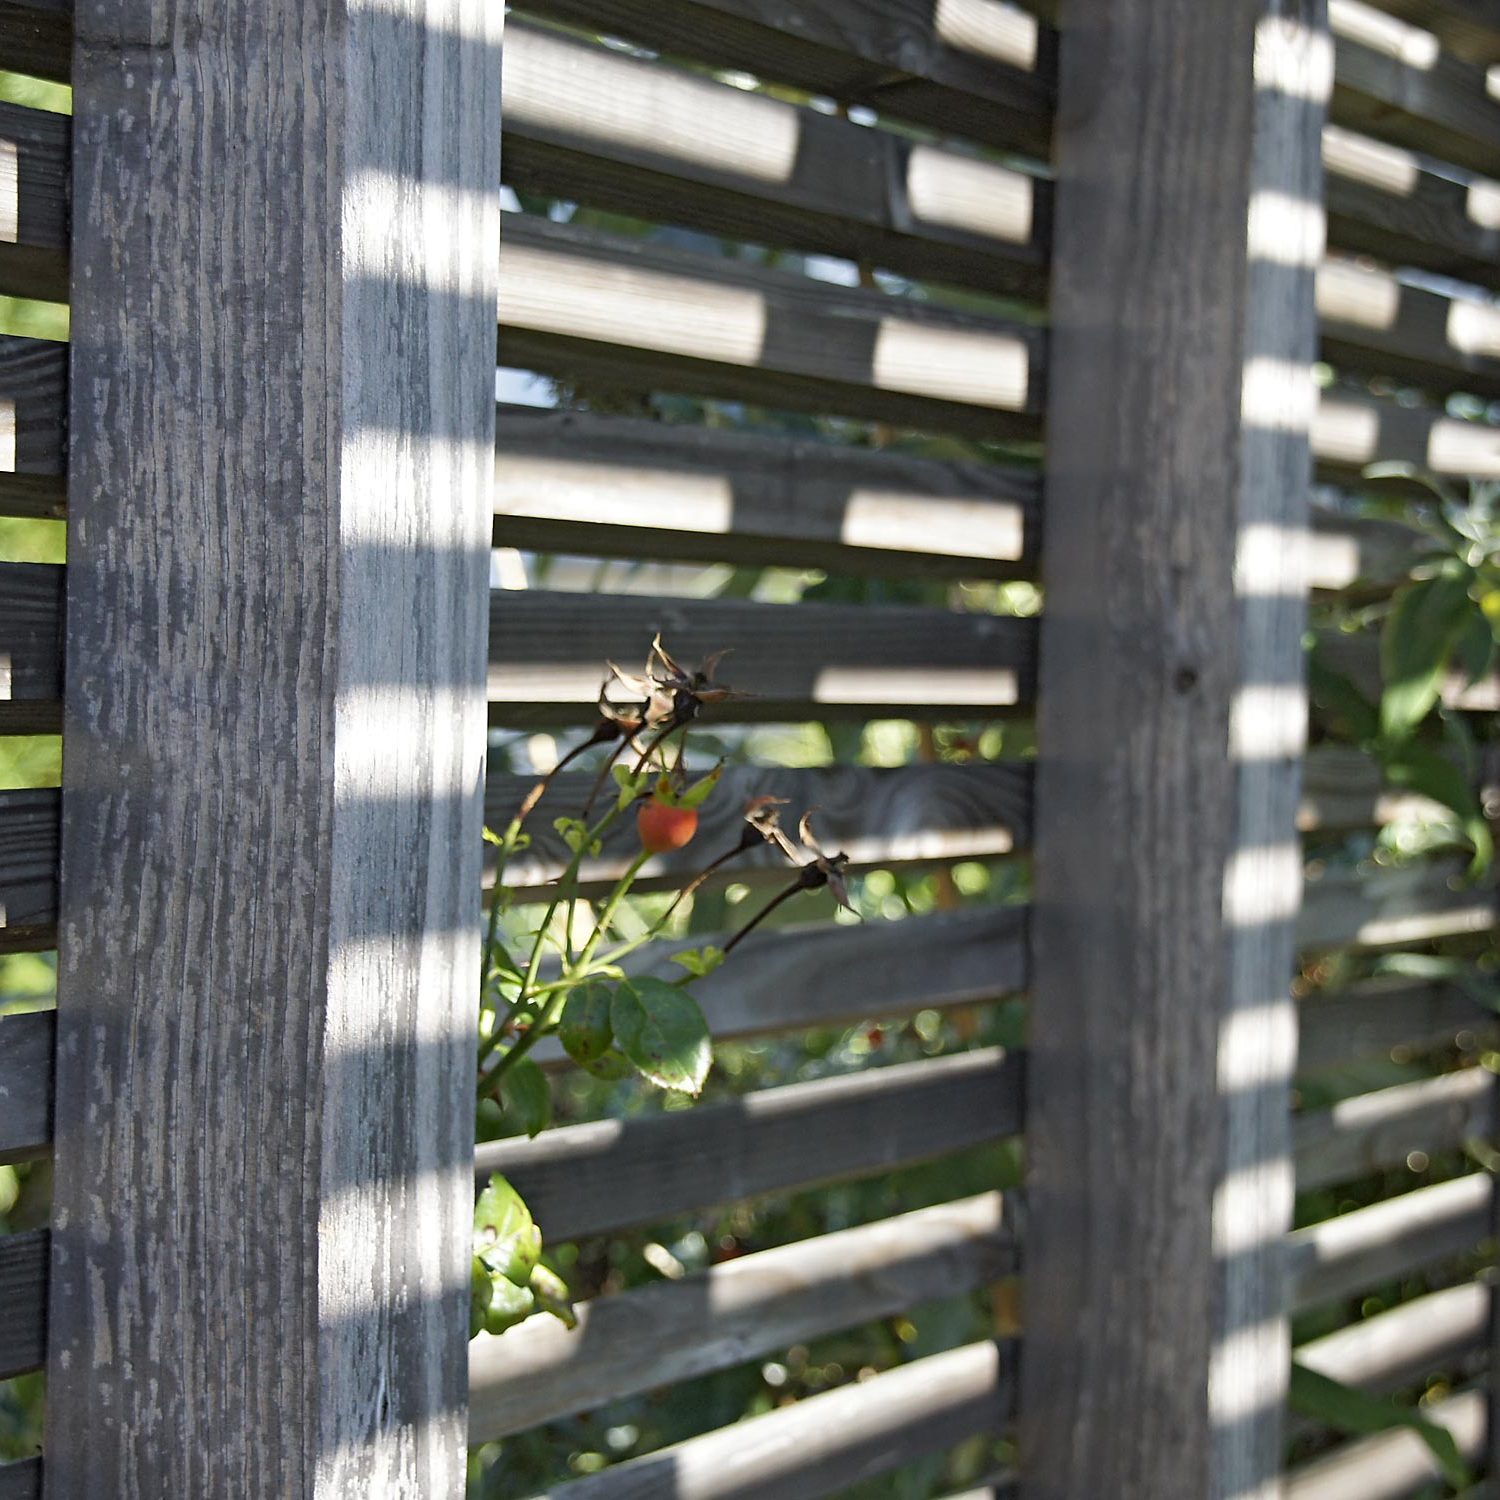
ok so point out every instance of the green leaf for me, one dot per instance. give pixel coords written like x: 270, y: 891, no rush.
x: 1415, y: 647
x: 505, y: 1238
x: 509, y: 1305
x: 1425, y: 769
x: 525, y: 1096
x: 1474, y: 649
x: 481, y: 1290
x: 697, y: 794
x: 631, y: 785
x: 1352, y: 1411
x: 573, y: 832
x: 584, y: 1029
x: 551, y: 1293
x: 659, y: 1027
x: 1337, y: 696
x: 700, y: 961
x: 611, y: 1067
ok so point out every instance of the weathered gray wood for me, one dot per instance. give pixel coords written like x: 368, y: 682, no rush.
x: 614, y: 486
x: 33, y: 393
x: 602, y: 128
x: 1413, y: 1340
x: 1357, y: 657
x: 827, y: 1443
x: 1383, y: 201
x: 282, y: 391
x: 28, y: 870
x: 1374, y: 1016
x: 23, y: 1302
x: 585, y: 305
x: 585, y: 1179
x: 36, y: 37
x: 547, y: 651
x: 1342, y: 788
x: 26, y: 1044
x: 1354, y: 553
x: 1390, y: 1465
x: 33, y: 203
x: 22, y: 1480
x: 991, y: 80
x: 1187, y: 233
x: 1345, y: 908
x: 1442, y: 108
x: 1356, y: 1250
x: 31, y: 617
x: 1469, y: 29
x: 678, y: 1330
x: 904, y: 815
x: 1375, y: 1131
x: 1373, y: 323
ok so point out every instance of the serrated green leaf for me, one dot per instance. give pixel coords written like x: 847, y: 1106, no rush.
x: 611, y: 1067
x: 505, y: 1237
x: 526, y: 1097
x: 1353, y: 1411
x: 584, y: 1028
x: 700, y: 961
x: 1416, y: 645
x: 660, y: 1029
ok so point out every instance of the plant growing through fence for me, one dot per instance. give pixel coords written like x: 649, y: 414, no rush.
x: 572, y: 983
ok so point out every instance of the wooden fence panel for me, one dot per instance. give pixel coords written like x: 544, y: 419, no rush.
x: 282, y: 396
x: 1163, y: 1037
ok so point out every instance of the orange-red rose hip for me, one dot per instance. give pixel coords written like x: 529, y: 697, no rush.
x: 664, y: 828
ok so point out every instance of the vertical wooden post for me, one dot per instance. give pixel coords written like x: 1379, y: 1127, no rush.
x: 1171, y: 725
x: 284, y: 292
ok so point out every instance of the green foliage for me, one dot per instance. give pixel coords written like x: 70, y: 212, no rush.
x: 1421, y: 631
x: 659, y: 1028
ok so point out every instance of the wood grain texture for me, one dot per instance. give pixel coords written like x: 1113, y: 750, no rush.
x: 601, y: 128
x: 619, y: 487
x: 23, y: 1301
x: 283, y: 368
x: 34, y: 150
x: 1367, y: 1019
x: 827, y: 1443
x: 33, y: 399
x: 31, y: 620
x: 1356, y: 1250
x: 1371, y: 1132
x: 585, y: 1179
x: 28, y: 870
x: 895, y: 56
x: 1180, y: 364
x: 26, y: 1047
x: 914, y: 814
x: 754, y: 1305
x: 1391, y: 1465
x: 547, y: 652
x: 1396, y: 1348
x: 36, y: 37
x: 584, y: 305
x: 22, y: 1480
x: 1346, y: 908
x: 1444, y: 110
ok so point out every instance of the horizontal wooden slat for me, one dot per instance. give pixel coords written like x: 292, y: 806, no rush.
x: 1395, y: 83
x: 1394, y: 1348
x: 28, y: 868
x: 586, y: 1179
x: 982, y: 70
x: 907, y: 815
x: 31, y: 597
x: 1372, y: 322
x: 583, y: 305
x: 1469, y: 29
x: 1353, y: 431
x: 33, y: 398
x: 22, y: 1480
x: 36, y: 37
x: 1390, y: 1465
x: 1410, y: 905
x: 1382, y: 200
x: 34, y: 149
x: 26, y: 1044
x: 612, y: 131
x: 1343, y: 789
x: 613, y: 486
x: 1347, y: 552
x: 805, y: 661
x: 750, y: 1306
x: 23, y: 1302
x: 1357, y: 1250
x: 1377, y: 1015
x: 1374, y: 1131
x: 826, y: 1443
x: 1357, y: 657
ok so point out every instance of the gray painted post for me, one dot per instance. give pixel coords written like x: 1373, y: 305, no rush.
x: 284, y: 292
x: 1171, y: 724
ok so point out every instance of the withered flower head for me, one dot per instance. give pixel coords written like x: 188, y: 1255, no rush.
x: 824, y: 868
